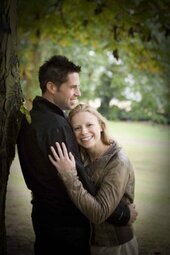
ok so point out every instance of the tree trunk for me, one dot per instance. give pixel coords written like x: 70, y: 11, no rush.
x: 10, y: 101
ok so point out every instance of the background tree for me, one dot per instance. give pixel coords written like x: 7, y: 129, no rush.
x: 10, y: 100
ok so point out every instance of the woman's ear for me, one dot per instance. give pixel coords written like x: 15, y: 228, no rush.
x: 51, y: 87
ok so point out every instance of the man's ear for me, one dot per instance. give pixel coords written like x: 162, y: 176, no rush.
x: 51, y: 87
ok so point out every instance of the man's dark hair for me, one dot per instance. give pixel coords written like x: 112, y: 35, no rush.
x: 56, y: 70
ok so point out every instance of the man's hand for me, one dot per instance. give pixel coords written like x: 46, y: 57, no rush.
x: 133, y: 213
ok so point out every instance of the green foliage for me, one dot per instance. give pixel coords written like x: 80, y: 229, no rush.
x: 137, y: 114
x: 97, y: 23
x: 112, y: 41
x: 26, y: 113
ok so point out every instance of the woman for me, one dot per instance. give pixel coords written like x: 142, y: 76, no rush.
x: 111, y: 171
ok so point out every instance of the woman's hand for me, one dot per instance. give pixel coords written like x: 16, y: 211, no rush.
x: 62, y: 160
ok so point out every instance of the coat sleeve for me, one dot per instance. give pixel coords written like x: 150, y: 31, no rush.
x: 113, y: 187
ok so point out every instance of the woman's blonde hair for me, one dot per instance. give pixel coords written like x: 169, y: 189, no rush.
x: 102, y: 120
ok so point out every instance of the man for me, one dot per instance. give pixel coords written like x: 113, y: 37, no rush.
x: 60, y: 228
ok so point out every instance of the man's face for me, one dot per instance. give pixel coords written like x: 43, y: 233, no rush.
x: 66, y: 96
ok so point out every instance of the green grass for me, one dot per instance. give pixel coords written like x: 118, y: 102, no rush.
x: 148, y: 147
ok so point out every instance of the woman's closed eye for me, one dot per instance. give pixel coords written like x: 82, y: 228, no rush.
x: 77, y: 128
x: 89, y: 124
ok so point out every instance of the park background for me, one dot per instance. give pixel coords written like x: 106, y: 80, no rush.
x: 123, y: 49
x: 148, y: 147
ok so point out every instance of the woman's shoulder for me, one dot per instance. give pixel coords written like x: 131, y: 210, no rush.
x: 118, y: 155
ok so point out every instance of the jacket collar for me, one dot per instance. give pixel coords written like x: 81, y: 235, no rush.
x: 105, y: 158
x: 43, y: 104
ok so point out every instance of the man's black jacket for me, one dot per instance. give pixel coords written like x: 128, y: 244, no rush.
x: 48, y: 126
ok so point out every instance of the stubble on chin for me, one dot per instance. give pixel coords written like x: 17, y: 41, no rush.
x: 73, y: 105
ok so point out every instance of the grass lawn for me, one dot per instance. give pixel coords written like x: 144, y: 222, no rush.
x: 148, y: 147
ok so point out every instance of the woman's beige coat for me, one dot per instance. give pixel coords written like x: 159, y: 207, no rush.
x: 113, y: 175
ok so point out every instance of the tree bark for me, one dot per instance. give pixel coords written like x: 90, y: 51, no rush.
x: 10, y: 102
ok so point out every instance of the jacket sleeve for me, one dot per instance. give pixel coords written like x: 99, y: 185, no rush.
x: 98, y: 208
x: 121, y: 215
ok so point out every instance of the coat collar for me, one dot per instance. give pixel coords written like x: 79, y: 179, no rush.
x: 105, y: 158
x: 44, y: 104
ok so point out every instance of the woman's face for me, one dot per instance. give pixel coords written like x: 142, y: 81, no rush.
x: 87, y: 129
